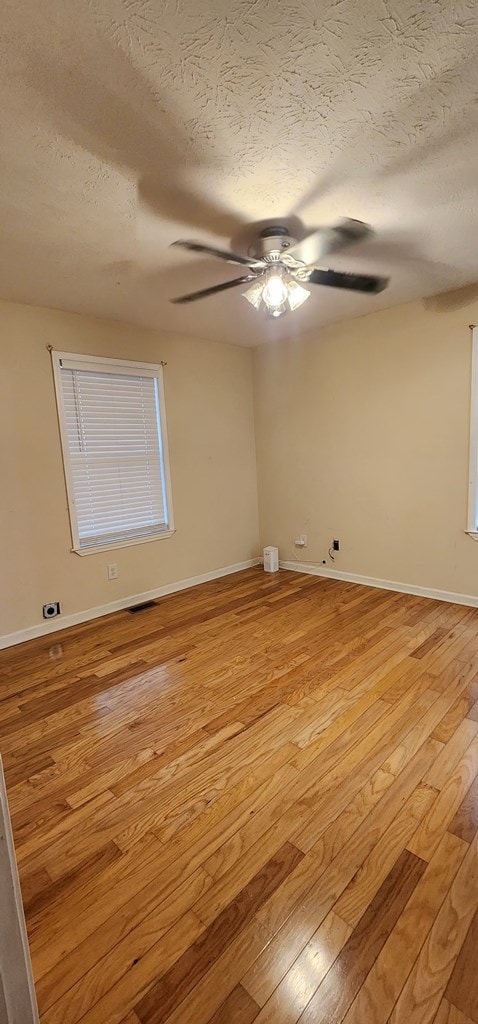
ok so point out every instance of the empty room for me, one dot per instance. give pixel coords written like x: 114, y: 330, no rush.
x: 239, y: 512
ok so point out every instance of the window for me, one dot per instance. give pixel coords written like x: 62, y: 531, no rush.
x: 472, y: 525
x: 113, y: 433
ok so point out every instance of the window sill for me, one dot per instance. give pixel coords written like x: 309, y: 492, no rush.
x: 98, y: 548
x: 473, y: 534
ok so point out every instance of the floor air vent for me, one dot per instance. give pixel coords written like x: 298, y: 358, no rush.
x: 141, y: 607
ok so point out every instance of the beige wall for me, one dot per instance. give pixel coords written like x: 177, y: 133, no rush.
x: 208, y: 390
x: 362, y: 433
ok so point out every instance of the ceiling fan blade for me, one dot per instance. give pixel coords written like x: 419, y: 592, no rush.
x: 319, y: 244
x: 221, y: 254
x: 354, y: 282
x: 215, y: 288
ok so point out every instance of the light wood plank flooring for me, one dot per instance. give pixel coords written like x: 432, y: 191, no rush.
x: 256, y: 801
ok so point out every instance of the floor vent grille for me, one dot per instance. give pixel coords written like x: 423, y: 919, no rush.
x: 141, y: 607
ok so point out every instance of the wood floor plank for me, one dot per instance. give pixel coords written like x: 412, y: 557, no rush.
x: 462, y: 988
x: 332, y: 879
x: 340, y: 985
x: 159, y: 958
x: 148, y: 863
x: 449, y: 1014
x: 372, y: 751
x: 239, y: 1007
x: 462, y: 708
x: 429, y: 645
x: 240, y: 953
x: 169, y: 992
x: 60, y: 888
x: 381, y: 989
x: 33, y: 885
x: 296, y: 989
x: 437, y: 776
x: 426, y: 983
x: 360, y: 891
x: 426, y: 724
x: 351, y: 816
x: 465, y: 821
x: 442, y: 811
x: 209, y: 797
x: 98, y: 963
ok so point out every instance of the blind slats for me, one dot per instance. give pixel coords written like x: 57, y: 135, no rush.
x: 113, y: 434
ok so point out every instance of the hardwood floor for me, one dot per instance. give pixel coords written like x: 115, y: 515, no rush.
x: 256, y: 801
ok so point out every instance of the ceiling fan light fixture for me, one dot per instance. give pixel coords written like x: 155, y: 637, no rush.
x: 277, y: 293
x: 254, y: 294
x: 297, y: 294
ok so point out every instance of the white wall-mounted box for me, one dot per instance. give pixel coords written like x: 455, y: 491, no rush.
x: 271, y: 559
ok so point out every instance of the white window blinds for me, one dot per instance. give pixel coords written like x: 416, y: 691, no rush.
x: 114, y: 455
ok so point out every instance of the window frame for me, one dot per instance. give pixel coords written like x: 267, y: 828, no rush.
x: 135, y: 368
x: 472, y: 520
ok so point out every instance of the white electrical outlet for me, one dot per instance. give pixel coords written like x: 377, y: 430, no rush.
x: 301, y: 541
x: 113, y: 571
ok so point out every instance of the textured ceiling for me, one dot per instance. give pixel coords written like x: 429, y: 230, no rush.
x: 129, y: 123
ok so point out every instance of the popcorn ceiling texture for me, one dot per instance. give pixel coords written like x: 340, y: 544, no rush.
x: 129, y: 123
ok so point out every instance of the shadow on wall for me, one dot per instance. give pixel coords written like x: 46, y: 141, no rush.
x: 451, y: 300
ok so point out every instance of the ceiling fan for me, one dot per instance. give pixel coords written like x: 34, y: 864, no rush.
x: 278, y: 266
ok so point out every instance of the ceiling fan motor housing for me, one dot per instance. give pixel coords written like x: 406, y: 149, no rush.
x: 272, y: 243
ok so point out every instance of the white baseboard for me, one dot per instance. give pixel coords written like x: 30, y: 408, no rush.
x: 371, y: 581
x: 52, y: 626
